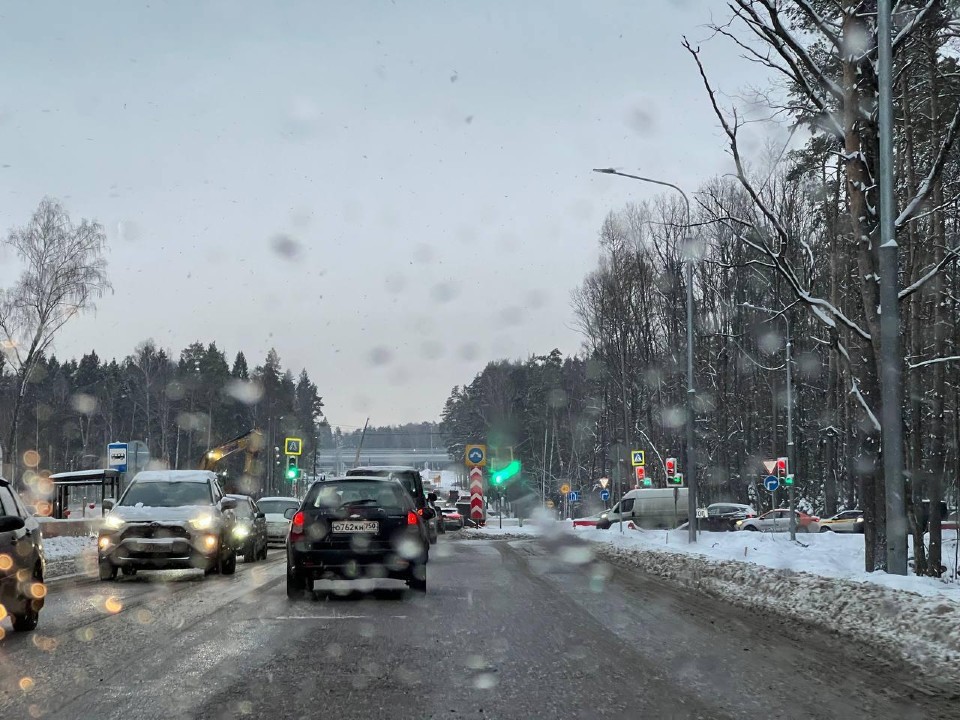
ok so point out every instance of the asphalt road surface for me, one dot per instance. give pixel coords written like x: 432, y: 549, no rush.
x: 507, y: 630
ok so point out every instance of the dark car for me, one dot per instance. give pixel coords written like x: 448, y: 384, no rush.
x: 411, y: 479
x: 21, y: 562
x: 169, y: 519
x: 723, y: 517
x: 356, y: 527
x: 250, y: 529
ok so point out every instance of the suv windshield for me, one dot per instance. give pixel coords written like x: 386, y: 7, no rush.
x: 277, y: 507
x: 167, y: 494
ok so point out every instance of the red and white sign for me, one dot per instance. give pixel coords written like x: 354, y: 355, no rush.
x: 641, y: 472
x: 770, y: 465
x: 476, y: 493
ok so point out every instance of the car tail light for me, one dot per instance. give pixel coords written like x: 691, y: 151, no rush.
x: 296, y: 524
x: 411, y: 518
x: 420, y: 512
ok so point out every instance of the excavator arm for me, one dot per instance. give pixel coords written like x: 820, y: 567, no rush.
x: 250, y: 442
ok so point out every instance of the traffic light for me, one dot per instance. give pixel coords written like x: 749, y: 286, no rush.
x: 788, y: 480
x: 293, y: 469
x: 672, y: 478
x: 782, y: 468
x: 499, y: 477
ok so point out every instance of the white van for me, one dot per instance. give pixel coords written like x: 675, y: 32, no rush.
x: 650, y: 508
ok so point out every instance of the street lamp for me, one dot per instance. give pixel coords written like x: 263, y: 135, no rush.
x: 791, y: 454
x: 691, y: 456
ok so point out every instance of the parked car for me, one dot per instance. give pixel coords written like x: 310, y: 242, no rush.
x: 273, y: 509
x: 355, y: 527
x: 22, y: 562
x: 250, y: 529
x: 722, y: 517
x: 778, y: 521
x: 452, y: 519
x: 847, y: 521
x: 169, y: 519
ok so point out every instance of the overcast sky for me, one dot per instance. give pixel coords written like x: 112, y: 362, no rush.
x: 391, y: 194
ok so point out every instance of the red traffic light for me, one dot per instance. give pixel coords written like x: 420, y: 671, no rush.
x: 671, y: 464
x: 781, y: 467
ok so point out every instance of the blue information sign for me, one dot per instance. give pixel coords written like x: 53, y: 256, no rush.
x: 604, y: 495
x: 771, y: 483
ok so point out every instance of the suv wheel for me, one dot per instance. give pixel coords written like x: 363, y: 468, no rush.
x: 250, y: 553
x: 418, y: 578
x: 28, y: 619
x: 228, y: 564
x: 296, y: 584
x: 108, y: 571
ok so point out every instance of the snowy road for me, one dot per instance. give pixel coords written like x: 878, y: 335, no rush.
x: 517, y: 629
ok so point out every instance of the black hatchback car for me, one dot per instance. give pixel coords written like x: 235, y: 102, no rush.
x: 21, y: 562
x: 353, y: 528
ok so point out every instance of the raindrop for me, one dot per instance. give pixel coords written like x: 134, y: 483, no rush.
x: 380, y: 355
x: 578, y: 555
x: 485, y: 681
x: 84, y: 404
x: 469, y: 351
x: 641, y: 120
x: 444, y: 292
x: 285, y: 246
x: 128, y: 231
x: 248, y: 392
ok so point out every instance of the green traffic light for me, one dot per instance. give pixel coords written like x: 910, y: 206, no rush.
x: 501, y: 476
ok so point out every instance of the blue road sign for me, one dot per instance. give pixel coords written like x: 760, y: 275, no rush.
x: 604, y: 495
x: 117, y: 456
x: 771, y: 483
x: 476, y: 456
x: 574, y: 496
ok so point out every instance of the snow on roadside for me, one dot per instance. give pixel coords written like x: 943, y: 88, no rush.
x: 69, y: 555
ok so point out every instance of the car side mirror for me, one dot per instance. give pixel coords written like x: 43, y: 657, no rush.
x: 10, y: 523
x: 261, y: 516
x: 432, y: 497
x: 108, y: 504
x: 289, y: 513
x: 228, y: 504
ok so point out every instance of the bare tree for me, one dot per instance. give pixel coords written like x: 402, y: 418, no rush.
x: 64, y: 273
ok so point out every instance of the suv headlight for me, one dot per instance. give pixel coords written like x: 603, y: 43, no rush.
x: 202, y: 522
x: 114, y: 522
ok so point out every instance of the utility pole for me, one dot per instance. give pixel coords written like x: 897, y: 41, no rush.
x: 791, y: 453
x: 891, y: 357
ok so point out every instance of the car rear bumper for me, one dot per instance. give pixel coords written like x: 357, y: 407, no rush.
x: 317, y: 564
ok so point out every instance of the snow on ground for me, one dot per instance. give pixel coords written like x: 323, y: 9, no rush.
x: 69, y: 555
x: 819, y: 579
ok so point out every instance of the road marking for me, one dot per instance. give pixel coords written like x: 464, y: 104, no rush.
x: 334, y: 617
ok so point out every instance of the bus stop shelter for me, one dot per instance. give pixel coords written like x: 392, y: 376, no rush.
x: 83, y: 485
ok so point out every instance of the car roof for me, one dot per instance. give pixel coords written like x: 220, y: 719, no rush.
x: 279, y: 497
x: 381, y: 468
x: 193, y: 476
x: 358, y: 478
x: 238, y: 496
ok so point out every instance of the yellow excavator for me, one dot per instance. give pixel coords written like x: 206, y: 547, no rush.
x: 251, y: 443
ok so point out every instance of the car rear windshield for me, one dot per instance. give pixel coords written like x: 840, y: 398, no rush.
x: 167, y: 494
x: 408, y: 478
x: 335, y: 495
x: 277, y: 507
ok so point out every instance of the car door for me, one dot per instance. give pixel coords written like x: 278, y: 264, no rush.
x: 24, y: 543
x: 767, y: 521
x: 259, y: 523
x: 781, y: 521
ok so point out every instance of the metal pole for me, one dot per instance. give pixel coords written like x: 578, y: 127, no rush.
x: 691, y: 456
x: 626, y: 418
x: 690, y: 470
x: 790, y: 447
x: 891, y: 358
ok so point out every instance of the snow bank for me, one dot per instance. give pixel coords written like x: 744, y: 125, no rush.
x: 70, y: 555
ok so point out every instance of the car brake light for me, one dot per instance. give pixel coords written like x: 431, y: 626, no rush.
x: 420, y: 512
x: 411, y: 518
x: 296, y: 524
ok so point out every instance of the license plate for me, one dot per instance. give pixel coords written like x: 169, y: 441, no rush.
x: 355, y: 526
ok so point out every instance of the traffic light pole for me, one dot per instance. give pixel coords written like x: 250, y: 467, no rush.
x: 791, y: 453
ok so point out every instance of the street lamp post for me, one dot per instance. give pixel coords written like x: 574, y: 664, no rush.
x: 691, y: 393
